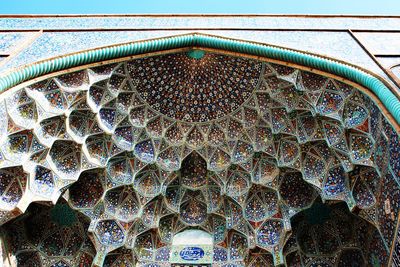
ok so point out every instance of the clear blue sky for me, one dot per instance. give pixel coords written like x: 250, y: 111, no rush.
x: 368, y: 7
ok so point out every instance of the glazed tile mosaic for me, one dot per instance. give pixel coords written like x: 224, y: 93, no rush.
x: 10, y: 41
x: 396, y: 251
x: 339, y: 45
x: 185, y: 21
x: 277, y: 164
x: 396, y: 71
x: 51, y: 44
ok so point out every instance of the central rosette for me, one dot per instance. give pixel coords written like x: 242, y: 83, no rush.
x: 195, y: 88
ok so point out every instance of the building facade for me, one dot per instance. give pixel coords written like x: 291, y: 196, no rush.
x: 199, y: 140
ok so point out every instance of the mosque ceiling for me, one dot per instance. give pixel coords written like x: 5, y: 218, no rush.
x: 242, y: 148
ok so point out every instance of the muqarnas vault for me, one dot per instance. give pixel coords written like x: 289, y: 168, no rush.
x: 280, y: 165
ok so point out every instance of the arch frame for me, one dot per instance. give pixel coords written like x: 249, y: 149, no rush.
x: 390, y: 104
x: 366, y: 82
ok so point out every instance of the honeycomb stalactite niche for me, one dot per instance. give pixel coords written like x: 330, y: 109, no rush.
x: 50, y: 236
x: 237, y: 147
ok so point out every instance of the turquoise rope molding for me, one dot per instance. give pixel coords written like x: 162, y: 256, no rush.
x: 388, y: 99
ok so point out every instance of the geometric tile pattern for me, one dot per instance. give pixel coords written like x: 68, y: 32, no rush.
x: 50, y: 236
x: 396, y: 250
x: 329, y: 235
x: 236, y: 147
